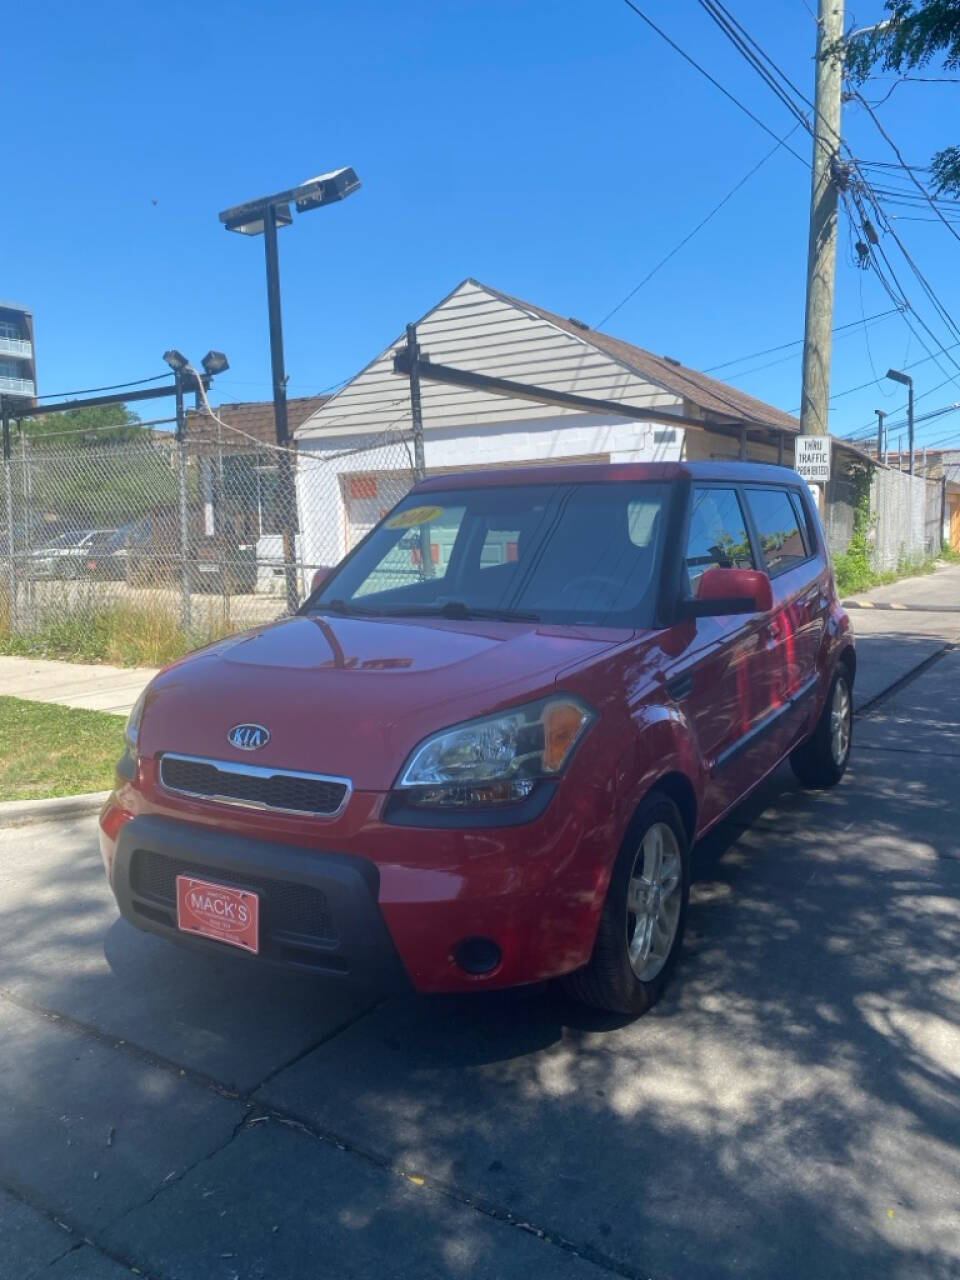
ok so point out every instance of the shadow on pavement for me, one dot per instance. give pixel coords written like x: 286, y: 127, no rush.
x: 788, y: 1110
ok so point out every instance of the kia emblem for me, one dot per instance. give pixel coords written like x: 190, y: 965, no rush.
x: 248, y: 737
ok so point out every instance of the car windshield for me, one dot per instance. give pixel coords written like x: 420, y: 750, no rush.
x: 66, y: 540
x: 584, y: 554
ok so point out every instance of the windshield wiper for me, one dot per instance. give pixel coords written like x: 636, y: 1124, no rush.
x: 344, y: 607
x: 464, y: 612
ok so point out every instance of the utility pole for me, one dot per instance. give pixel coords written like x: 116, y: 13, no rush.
x: 881, y: 414
x: 822, y: 247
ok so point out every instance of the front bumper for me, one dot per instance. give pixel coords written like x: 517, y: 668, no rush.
x: 402, y: 898
x: 318, y: 911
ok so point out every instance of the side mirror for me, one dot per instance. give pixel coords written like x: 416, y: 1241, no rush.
x: 320, y: 576
x: 725, y: 591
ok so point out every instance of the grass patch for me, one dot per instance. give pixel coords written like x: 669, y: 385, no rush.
x: 48, y: 750
x: 125, y: 635
x: 854, y: 574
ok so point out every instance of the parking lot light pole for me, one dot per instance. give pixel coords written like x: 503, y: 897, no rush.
x: 263, y: 217
x: 906, y: 381
x: 185, y: 375
x: 178, y: 363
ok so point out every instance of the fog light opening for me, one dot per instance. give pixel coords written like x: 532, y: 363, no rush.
x: 477, y: 955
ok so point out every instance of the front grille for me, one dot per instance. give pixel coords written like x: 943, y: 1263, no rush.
x: 252, y: 785
x: 287, y: 910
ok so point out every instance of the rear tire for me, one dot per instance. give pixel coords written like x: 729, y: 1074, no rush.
x: 641, y: 928
x: 822, y: 760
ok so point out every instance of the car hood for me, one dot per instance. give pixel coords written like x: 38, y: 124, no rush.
x: 353, y: 696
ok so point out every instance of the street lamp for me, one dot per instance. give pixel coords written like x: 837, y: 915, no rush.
x: 264, y: 216
x: 906, y: 381
x: 213, y: 362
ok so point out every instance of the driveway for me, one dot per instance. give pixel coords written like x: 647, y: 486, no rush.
x: 789, y: 1110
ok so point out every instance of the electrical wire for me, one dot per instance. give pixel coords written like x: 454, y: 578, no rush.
x: 896, y: 150
x: 706, y: 74
x: 115, y: 386
x: 798, y: 342
x: 700, y: 225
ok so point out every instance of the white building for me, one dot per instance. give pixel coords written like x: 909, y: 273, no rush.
x: 353, y: 465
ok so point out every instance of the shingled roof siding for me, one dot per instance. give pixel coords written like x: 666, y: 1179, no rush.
x: 711, y: 395
x: 253, y: 418
x: 474, y: 328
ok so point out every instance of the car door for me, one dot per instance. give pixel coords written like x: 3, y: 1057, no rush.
x: 796, y: 568
x: 720, y: 674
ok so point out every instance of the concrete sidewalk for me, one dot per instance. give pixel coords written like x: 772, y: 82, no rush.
x: 892, y: 642
x: 73, y: 684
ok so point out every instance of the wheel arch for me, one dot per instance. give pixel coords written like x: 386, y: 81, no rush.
x: 848, y: 659
x: 677, y: 787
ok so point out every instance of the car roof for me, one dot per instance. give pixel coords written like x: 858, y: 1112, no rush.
x: 612, y: 473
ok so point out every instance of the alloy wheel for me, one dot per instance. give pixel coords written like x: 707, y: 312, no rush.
x: 654, y: 901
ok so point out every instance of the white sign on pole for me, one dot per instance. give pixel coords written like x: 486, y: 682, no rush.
x: 812, y: 458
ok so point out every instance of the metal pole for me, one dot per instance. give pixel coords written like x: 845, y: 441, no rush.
x: 416, y: 407
x: 822, y: 245
x: 185, y: 619
x: 419, y: 456
x: 944, y: 531
x: 284, y: 470
x: 910, y: 421
x: 8, y: 502
x: 900, y: 451
x: 5, y: 416
x: 881, y: 414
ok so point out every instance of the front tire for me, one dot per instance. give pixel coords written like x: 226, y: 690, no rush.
x: 641, y: 928
x: 822, y: 760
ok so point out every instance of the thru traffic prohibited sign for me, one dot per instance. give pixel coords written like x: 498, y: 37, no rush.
x: 812, y: 458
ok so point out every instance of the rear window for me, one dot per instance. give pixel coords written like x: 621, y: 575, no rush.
x: 783, y: 539
x: 575, y: 553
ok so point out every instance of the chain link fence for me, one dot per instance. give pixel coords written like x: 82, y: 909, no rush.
x: 181, y: 542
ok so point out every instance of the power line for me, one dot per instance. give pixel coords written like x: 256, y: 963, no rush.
x: 700, y: 225
x: 115, y: 386
x: 797, y: 342
x: 896, y: 150
x: 706, y: 74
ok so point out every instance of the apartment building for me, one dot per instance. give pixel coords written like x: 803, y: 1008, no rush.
x: 18, y: 368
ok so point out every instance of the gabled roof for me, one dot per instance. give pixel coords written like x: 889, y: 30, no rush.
x: 478, y: 328
x: 709, y: 394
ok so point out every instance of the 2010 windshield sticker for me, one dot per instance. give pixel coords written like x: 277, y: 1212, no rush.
x: 415, y: 515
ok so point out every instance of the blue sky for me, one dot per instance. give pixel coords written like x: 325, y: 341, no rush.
x: 553, y: 150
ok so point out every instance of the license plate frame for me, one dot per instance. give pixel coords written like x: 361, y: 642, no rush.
x: 219, y: 912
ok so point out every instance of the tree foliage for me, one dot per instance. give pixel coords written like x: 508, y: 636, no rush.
x: 916, y: 33
x: 96, y: 467
x: 102, y: 423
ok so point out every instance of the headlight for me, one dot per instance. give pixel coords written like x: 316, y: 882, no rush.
x: 131, y: 733
x: 497, y: 759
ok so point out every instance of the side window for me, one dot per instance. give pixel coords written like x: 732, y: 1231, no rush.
x: 781, y: 532
x: 803, y: 521
x: 718, y: 534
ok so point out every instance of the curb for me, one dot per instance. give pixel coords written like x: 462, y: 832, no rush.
x: 17, y: 813
x: 903, y: 608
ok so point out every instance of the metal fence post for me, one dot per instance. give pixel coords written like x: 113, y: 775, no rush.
x: 8, y: 501
x: 416, y: 408
x: 185, y: 619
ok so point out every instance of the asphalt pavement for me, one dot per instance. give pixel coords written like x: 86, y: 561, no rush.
x: 789, y: 1109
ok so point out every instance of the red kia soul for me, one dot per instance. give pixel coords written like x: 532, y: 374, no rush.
x: 481, y: 753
